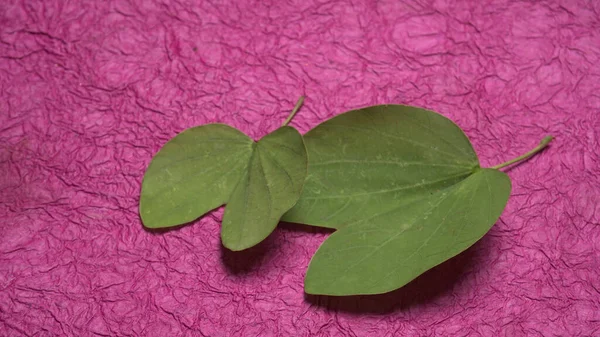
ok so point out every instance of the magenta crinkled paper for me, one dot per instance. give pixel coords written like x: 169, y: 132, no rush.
x: 90, y: 91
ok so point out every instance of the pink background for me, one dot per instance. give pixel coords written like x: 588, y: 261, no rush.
x: 90, y: 90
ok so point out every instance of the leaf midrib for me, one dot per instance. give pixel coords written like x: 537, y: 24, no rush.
x: 271, y: 157
x: 194, y: 175
x: 390, y: 162
x: 187, y: 157
x: 342, y: 196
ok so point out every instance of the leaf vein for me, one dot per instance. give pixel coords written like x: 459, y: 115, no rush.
x: 340, y: 196
x: 426, y: 241
x: 274, y: 143
x: 423, y: 145
x: 276, y: 162
x: 436, y: 134
x: 391, y: 162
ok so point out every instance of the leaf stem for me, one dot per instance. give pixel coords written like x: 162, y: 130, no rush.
x: 543, y: 143
x: 296, y: 108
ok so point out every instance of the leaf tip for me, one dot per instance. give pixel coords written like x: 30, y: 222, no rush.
x: 315, y: 285
x: 236, y: 245
x: 149, y: 225
x: 311, y: 289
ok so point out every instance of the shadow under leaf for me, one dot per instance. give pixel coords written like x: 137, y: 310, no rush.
x: 247, y: 260
x: 214, y: 215
x: 296, y: 227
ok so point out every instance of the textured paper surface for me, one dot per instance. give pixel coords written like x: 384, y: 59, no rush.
x: 89, y: 91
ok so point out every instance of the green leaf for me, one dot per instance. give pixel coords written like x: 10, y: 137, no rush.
x: 403, y: 187
x: 367, y: 161
x: 270, y: 186
x: 387, y: 250
x: 207, y: 166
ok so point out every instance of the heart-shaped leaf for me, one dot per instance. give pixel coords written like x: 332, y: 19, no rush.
x: 404, y: 188
x: 207, y: 166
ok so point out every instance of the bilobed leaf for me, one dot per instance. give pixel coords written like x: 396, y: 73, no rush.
x: 207, y: 166
x: 403, y: 187
x: 270, y: 186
